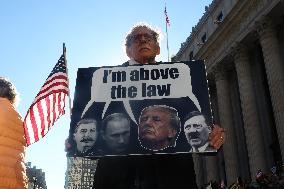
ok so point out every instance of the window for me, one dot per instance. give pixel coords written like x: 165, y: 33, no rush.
x: 191, y: 55
x: 203, y: 38
x: 220, y: 17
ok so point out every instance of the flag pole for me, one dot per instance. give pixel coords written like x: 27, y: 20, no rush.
x: 167, y: 42
x: 167, y: 22
x: 69, y: 97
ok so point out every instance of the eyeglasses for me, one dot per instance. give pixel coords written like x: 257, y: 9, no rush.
x: 138, y: 37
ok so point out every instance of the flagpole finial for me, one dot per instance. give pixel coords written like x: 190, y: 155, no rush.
x: 64, y: 48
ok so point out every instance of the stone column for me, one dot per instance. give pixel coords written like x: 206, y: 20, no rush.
x: 211, y: 160
x: 252, y: 127
x: 226, y: 121
x: 275, y: 74
x: 212, y: 168
x: 198, y: 169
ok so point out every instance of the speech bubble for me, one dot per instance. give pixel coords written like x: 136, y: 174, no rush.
x: 139, y: 83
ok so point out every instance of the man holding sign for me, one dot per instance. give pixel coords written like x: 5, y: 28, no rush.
x: 156, y: 171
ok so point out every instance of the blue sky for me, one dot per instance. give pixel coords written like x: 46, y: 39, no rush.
x: 32, y: 33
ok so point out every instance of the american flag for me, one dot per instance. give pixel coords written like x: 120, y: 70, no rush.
x: 167, y: 18
x: 48, y: 105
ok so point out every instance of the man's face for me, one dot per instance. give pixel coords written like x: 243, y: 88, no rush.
x: 196, y: 131
x: 155, y: 126
x: 85, y: 136
x: 143, y: 46
x: 116, y: 135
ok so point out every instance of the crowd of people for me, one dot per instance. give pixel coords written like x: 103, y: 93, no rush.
x: 273, y: 179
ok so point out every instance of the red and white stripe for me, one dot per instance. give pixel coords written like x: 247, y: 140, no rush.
x: 47, y: 107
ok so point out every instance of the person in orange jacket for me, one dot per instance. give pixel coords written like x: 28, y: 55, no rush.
x: 12, y: 140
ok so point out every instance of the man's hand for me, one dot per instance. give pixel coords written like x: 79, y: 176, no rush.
x: 217, y: 137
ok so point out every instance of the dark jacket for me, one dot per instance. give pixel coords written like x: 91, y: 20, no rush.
x: 164, y: 171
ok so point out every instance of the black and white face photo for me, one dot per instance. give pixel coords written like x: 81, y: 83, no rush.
x: 116, y: 133
x: 85, y: 135
x: 196, y: 131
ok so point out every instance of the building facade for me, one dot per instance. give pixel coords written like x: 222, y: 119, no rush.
x: 36, y: 177
x: 80, y: 173
x: 242, y: 43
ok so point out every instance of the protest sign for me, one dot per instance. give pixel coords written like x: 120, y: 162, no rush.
x: 141, y: 109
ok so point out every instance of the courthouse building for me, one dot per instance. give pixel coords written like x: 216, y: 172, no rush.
x: 242, y: 43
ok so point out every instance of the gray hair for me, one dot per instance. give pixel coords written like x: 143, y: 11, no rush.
x: 155, y: 31
x: 8, y: 91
